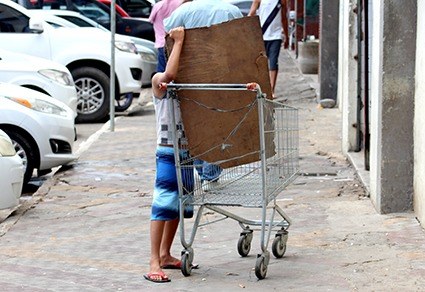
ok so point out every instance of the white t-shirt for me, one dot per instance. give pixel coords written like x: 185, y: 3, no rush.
x: 274, y: 31
x: 164, y: 127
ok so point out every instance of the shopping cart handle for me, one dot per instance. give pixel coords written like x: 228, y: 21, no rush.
x: 252, y: 86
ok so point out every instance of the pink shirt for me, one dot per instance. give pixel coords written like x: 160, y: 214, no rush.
x: 160, y: 11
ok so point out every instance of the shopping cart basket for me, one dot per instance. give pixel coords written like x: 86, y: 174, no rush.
x: 270, y: 168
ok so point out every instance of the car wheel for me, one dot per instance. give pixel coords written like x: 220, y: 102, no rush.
x: 93, y: 94
x: 123, y: 102
x: 23, y: 149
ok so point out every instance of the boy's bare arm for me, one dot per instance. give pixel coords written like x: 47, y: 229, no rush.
x: 254, y: 7
x: 177, y: 34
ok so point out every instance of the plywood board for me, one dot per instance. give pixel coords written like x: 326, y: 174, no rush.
x: 223, y: 126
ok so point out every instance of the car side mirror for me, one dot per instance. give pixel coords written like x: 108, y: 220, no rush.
x: 36, y: 25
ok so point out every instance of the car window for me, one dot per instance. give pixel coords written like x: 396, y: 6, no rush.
x: 76, y: 20
x: 12, y: 20
x: 137, y: 8
x: 245, y: 5
x: 54, y: 25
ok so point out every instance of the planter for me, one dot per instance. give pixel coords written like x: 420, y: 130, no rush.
x: 308, y: 56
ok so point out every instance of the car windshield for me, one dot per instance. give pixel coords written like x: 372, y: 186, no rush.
x: 81, y: 22
x: 77, y: 21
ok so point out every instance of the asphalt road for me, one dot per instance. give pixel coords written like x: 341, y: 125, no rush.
x: 84, y: 132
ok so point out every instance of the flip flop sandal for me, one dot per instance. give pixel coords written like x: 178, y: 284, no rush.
x: 157, y: 277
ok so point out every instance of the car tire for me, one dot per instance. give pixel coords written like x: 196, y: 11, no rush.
x: 123, y: 102
x: 23, y: 148
x: 93, y: 94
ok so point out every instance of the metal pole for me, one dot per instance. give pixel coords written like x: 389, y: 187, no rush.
x: 112, y: 71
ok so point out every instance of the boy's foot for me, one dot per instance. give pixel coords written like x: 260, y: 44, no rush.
x: 158, y: 277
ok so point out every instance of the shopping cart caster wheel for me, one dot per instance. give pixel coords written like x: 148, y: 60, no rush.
x: 187, y: 259
x: 279, y: 244
x: 244, y: 243
x: 261, y: 266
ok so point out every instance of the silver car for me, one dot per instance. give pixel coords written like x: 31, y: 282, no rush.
x: 11, y: 173
x: 42, y: 128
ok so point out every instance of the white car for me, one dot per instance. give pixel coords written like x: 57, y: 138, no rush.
x: 11, y: 173
x: 40, y: 74
x: 85, y: 52
x: 41, y: 128
x: 67, y: 18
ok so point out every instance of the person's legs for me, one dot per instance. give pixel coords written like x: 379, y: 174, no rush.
x: 165, y: 211
x: 156, y: 233
x: 169, y: 233
x: 211, y: 172
x: 273, y: 78
x: 273, y: 50
x: 207, y: 171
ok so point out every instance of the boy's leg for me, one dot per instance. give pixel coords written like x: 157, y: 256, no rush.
x: 273, y: 50
x: 273, y: 78
x: 169, y: 233
x: 156, y: 233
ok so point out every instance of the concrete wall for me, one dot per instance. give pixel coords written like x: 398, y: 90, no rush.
x: 392, y: 96
x: 347, y: 76
x: 328, y: 50
x: 419, y: 120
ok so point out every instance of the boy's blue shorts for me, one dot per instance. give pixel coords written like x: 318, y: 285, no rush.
x: 165, y: 205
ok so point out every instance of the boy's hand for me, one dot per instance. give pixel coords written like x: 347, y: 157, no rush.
x: 177, y: 34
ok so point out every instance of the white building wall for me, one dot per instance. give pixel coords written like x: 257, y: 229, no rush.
x: 419, y: 121
x: 376, y: 102
x: 347, y: 77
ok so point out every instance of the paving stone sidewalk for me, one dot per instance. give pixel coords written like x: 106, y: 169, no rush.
x: 87, y: 229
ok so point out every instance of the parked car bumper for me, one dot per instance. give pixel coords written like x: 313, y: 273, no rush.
x: 148, y: 69
x: 128, y: 71
x: 53, y: 134
x: 11, y: 181
x: 66, y: 94
x: 57, y: 141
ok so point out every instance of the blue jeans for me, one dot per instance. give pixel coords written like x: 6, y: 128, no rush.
x: 207, y: 171
x: 272, y: 51
x: 162, y: 60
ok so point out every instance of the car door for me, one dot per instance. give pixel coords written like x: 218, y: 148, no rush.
x: 16, y: 36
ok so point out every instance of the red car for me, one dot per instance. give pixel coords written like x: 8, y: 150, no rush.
x: 118, y: 8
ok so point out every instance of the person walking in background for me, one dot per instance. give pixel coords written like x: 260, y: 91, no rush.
x: 203, y: 13
x: 160, y: 11
x: 165, y: 205
x: 273, y: 20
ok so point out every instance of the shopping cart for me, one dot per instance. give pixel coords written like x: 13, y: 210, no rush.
x: 270, y: 168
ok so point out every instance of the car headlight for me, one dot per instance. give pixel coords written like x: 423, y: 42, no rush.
x: 6, y: 147
x: 59, y: 76
x: 148, y: 57
x: 128, y: 47
x: 39, y: 105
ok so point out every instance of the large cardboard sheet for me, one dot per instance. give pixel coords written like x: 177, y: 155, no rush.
x: 223, y: 126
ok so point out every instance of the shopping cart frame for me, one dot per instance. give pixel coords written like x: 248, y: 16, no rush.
x: 246, y: 235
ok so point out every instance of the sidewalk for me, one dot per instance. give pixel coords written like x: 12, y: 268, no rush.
x: 87, y: 229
